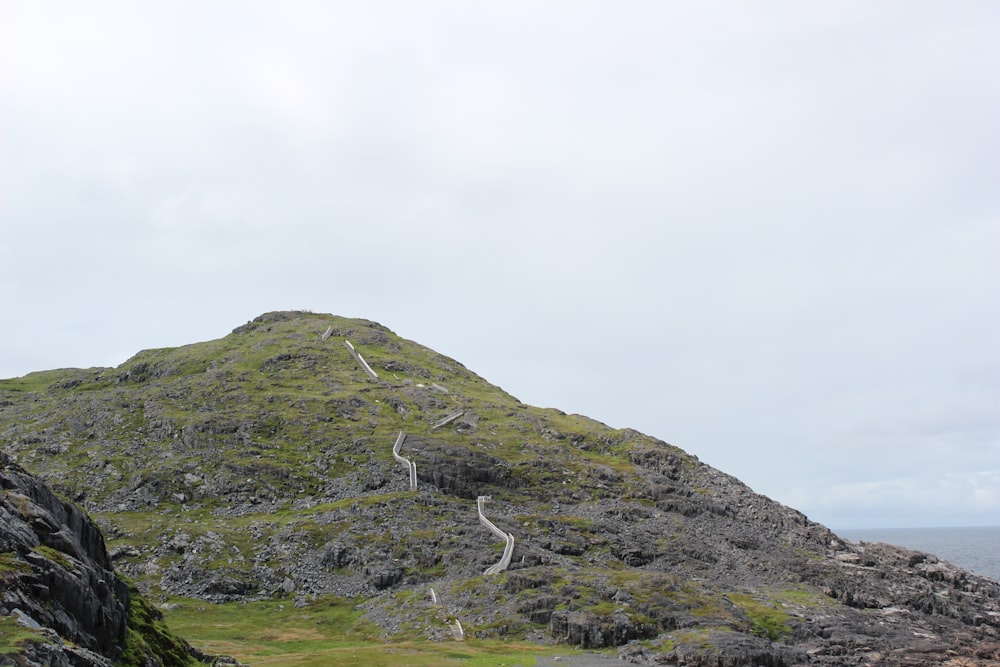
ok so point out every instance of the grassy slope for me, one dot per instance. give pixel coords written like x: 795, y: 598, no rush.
x: 283, y: 388
x: 329, y: 631
x: 280, y: 415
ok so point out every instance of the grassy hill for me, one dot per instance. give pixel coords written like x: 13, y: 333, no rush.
x: 257, y: 469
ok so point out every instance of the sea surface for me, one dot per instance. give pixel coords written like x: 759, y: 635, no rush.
x: 976, y: 549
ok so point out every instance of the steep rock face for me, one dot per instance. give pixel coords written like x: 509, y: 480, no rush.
x: 58, y: 583
x: 58, y: 574
x: 459, y: 472
x: 261, y: 465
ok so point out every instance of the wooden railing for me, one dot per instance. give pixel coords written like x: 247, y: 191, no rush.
x: 360, y: 360
x: 508, y: 550
x: 450, y: 418
x: 410, y: 465
x: 456, y: 627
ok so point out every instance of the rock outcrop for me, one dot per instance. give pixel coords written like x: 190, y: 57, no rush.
x: 58, y: 585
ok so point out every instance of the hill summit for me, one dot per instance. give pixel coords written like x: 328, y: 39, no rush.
x: 306, y: 455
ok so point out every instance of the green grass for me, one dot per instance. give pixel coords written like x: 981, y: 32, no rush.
x: 328, y: 631
x: 42, y: 380
x: 148, y: 634
x: 9, y: 562
x: 56, y: 556
x: 700, y: 636
x: 255, y: 630
x: 13, y: 636
x: 809, y: 555
x: 765, y: 619
x: 804, y: 597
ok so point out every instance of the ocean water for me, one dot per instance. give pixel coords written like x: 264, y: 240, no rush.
x: 976, y: 549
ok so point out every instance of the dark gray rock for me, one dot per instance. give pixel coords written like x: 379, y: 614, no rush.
x: 459, y: 471
x: 590, y: 630
x: 65, y: 581
x: 57, y: 580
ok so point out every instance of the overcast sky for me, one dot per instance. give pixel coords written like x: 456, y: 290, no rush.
x: 765, y: 232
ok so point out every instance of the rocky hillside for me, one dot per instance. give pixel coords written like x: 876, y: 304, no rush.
x: 62, y: 603
x: 306, y: 455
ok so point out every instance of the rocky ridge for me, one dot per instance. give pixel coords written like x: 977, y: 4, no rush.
x: 261, y: 465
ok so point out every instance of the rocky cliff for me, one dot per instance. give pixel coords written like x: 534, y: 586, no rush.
x: 262, y: 464
x: 62, y: 603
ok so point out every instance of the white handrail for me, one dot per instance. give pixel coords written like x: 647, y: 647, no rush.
x: 508, y: 550
x: 360, y: 360
x: 450, y: 418
x: 508, y: 553
x: 405, y: 461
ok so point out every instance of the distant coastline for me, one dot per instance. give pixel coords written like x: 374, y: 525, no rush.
x: 973, y: 548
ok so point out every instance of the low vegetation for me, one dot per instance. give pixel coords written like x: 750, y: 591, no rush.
x: 249, y: 483
x: 148, y: 634
x: 765, y: 619
x: 14, y: 636
x: 327, y: 631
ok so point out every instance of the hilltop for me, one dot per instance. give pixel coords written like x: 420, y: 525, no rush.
x: 279, y: 462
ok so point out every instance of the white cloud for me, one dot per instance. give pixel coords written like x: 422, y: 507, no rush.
x: 783, y: 219
x: 927, y: 500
